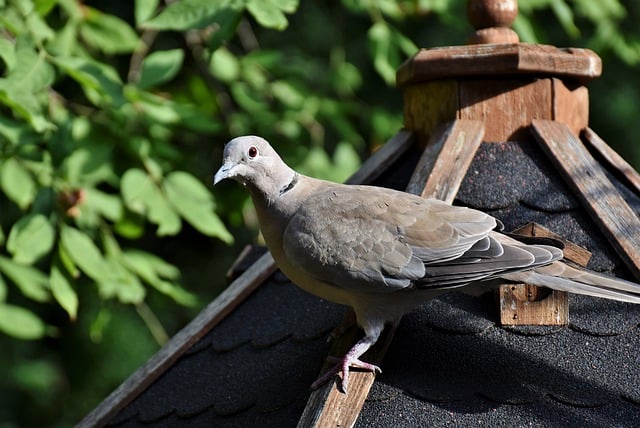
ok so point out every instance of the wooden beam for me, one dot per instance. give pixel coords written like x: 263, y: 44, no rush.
x: 525, y: 304
x: 600, y: 198
x: 225, y: 303
x: 499, y: 60
x: 612, y: 158
x: 439, y: 173
x: 445, y: 161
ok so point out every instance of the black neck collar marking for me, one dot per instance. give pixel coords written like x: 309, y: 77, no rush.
x: 289, y: 186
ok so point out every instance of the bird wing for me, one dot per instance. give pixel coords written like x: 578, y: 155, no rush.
x: 373, y: 239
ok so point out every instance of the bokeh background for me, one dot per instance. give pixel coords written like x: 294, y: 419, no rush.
x: 113, y: 116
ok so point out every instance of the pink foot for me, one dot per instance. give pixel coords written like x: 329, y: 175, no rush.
x: 342, y: 365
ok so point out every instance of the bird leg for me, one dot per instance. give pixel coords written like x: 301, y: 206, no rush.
x: 348, y: 321
x: 351, y: 359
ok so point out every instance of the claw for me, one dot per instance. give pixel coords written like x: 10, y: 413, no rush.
x: 342, y: 365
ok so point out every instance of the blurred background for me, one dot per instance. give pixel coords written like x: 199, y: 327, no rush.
x: 113, y: 116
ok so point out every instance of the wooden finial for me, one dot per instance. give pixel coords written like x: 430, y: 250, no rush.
x: 491, y: 20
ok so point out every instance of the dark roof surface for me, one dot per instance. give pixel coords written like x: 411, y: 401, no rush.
x: 450, y: 363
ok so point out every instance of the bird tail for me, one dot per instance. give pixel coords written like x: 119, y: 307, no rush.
x: 563, y: 277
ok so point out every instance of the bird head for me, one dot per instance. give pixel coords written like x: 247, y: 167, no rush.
x: 251, y: 161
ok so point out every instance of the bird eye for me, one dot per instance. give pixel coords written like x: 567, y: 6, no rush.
x: 252, y: 152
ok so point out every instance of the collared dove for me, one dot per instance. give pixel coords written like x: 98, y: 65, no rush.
x: 384, y: 252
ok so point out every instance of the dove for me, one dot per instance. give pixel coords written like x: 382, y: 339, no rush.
x: 382, y: 251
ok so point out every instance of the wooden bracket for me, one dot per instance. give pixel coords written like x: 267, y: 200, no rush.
x: 524, y: 304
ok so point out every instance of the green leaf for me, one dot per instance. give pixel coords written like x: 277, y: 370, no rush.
x: 7, y: 53
x: 31, y: 282
x: 107, y: 32
x: 144, y: 9
x: 271, y: 13
x: 17, y: 183
x: 190, y: 14
x: 195, y: 204
x: 20, y: 323
x: 100, y: 82
x: 121, y: 284
x: 67, y: 262
x: 84, y: 253
x: 3, y: 289
x: 141, y: 195
x: 30, y: 76
x: 151, y: 269
x: 30, y: 238
x: 89, y: 165
x: 224, y: 65
x: 105, y: 204
x: 160, y: 67
x: 63, y: 292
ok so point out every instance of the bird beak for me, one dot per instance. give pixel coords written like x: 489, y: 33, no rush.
x: 223, y: 172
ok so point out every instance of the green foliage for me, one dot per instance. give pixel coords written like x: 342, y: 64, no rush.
x: 112, y: 119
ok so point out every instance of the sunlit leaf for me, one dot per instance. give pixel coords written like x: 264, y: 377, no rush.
x: 105, y: 204
x: 17, y: 183
x: 84, y: 252
x: 160, y: 67
x: 152, y: 269
x: 224, y: 65
x: 189, y: 14
x: 195, y: 204
x: 31, y: 282
x: 20, y: 323
x: 63, y: 292
x: 143, y: 196
x: 271, y: 13
x: 30, y: 238
x: 144, y: 9
x: 121, y: 284
x: 100, y: 82
x: 107, y: 32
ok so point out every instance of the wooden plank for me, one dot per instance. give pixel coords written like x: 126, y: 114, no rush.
x: 499, y: 60
x: 525, y: 304
x: 444, y: 162
x: 506, y: 106
x: 211, y: 315
x: 612, y: 158
x: 327, y: 406
x: 572, y: 252
x: 225, y: 303
x: 570, y: 105
x: 600, y: 198
x: 383, y: 158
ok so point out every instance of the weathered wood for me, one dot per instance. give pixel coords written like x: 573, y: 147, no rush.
x: 572, y: 252
x: 598, y: 195
x: 383, y: 158
x: 570, y: 105
x: 428, y: 105
x: 224, y: 304
x: 327, y: 406
x: 612, y: 158
x: 499, y: 60
x: 183, y: 340
x: 444, y: 162
x: 507, y: 107
x: 525, y: 304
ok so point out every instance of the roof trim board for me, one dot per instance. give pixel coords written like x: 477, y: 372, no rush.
x: 598, y: 195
